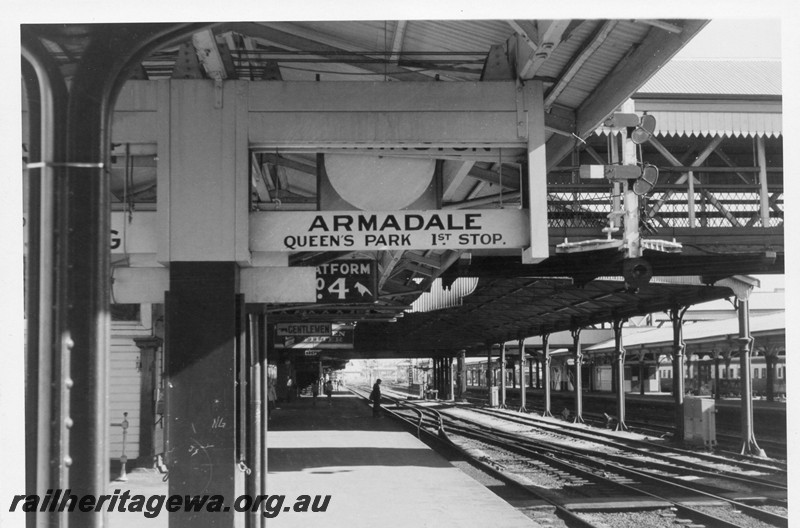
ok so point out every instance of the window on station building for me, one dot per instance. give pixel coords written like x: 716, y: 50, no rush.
x: 126, y: 312
x: 283, y: 179
x: 132, y: 178
x: 780, y: 372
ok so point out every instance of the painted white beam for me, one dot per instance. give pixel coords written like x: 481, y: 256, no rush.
x: 383, y: 114
x: 343, y: 114
x: 139, y: 285
x: 208, y: 53
x: 453, y: 174
x: 397, y: 41
x: 537, y: 176
x: 535, y: 43
x: 277, y: 285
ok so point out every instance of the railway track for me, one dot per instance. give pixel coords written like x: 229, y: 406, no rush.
x: 727, y: 443
x: 590, y: 478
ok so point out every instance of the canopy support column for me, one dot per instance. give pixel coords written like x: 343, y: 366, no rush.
x: 546, y: 374
x: 522, y: 386
x: 503, y: 376
x: 678, y: 349
x: 578, y: 357
x: 619, y: 367
x: 749, y: 444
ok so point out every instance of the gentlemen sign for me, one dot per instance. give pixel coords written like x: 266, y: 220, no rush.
x: 341, y: 338
x: 303, y: 329
x: 364, y: 230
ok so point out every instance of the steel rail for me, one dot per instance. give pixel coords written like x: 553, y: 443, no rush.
x: 572, y: 519
x: 571, y: 456
x: 600, y: 436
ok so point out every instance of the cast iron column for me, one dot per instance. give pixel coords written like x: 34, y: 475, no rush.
x: 678, y: 348
x: 619, y: 368
x: 462, y: 374
x: 522, y: 387
x: 578, y: 357
x: 503, y: 376
x: 546, y: 373
x: 749, y: 444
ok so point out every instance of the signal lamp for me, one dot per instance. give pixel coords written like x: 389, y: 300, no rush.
x: 645, y: 183
x: 644, y: 130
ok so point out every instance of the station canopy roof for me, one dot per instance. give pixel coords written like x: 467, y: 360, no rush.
x: 588, y: 69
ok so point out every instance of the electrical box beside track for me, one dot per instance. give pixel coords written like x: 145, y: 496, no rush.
x: 494, y: 396
x: 699, y: 421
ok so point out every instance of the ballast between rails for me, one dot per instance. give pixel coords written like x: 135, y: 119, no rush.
x: 504, y: 439
x: 572, y: 519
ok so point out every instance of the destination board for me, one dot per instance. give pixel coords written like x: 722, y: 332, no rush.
x: 401, y: 230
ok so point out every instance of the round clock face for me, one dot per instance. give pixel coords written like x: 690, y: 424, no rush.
x: 376, y: 183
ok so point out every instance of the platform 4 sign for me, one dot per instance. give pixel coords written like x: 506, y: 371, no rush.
x: 365, y: 231
x: 347, y: 281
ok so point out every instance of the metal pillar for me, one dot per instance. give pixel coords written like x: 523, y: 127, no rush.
x: 74, y: 260
x: 442, y: 378
x: 462, y: 374
x: 619, y: 369
x: 641, y: 372
x: 546, y: 374
x: 716, y: 374
x: 452, y: 381
x: 522, y: 387
x: 749, y: 444
x: 503, y: 376
x: 578, y: 357
x: 678, y: 348
x: 535, y: 358
x: 488, y: 365
x: 47, y: 362
x: 262, y: 358
x: 762, y: 179
x: 434, y: 370
x: 255, y: 416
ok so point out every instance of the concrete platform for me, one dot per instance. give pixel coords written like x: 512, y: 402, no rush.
x: 376, y: 473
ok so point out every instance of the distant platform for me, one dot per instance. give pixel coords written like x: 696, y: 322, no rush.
x: 376, y: 473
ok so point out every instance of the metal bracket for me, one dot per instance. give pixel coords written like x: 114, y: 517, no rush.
x: 522, y: 116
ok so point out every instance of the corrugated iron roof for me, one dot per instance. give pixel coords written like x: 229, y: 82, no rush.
x: 718, y: 77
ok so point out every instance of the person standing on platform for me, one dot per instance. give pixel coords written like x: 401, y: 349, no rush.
x: 376, y: 399
x: 315, y: 391
x: 329, y: 391
x: 289, y: 389
x: 272, y: 397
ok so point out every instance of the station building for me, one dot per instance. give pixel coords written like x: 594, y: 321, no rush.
x: 511, y: 183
